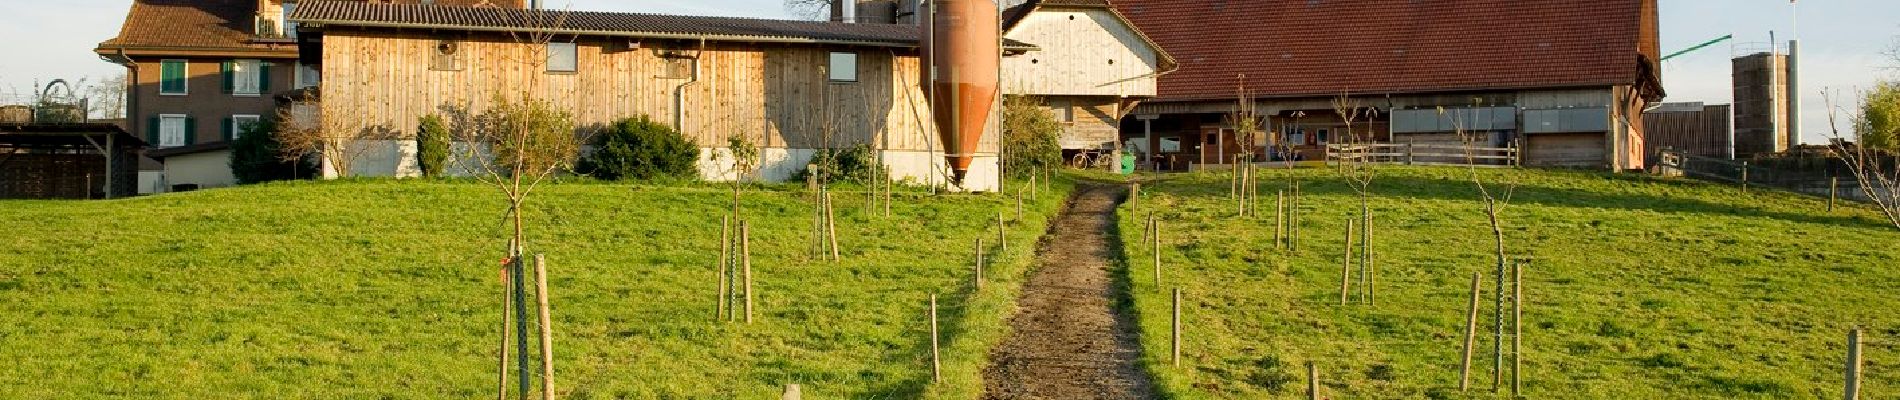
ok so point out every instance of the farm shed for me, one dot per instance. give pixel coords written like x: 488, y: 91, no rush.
x: 1567, y: 80
x: 67, y: 161
x: 789, y: 87
x: 1092, y: 69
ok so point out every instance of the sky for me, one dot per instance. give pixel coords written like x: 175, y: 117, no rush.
x: 1843, y: 41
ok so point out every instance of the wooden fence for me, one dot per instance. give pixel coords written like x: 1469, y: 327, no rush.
x: 1425, y: 154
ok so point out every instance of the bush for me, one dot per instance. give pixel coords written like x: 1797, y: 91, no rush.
x: 257, y: 156
x: 432, y: 146
x: 1031, y: 137
x: 851, y: 164
x: 639, y: 148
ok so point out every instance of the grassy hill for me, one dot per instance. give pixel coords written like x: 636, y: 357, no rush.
x: 390, y: 289
x: 1642, y: 288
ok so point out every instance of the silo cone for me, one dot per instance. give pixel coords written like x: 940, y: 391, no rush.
x: 962, y: 51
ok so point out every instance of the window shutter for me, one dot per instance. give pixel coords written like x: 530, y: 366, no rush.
x: 229, y: 122
x: 263, y: 77
x: 151, y: 131
x: 230, y: 83
x: 191, y: 131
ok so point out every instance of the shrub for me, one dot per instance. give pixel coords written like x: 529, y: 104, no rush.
x: 432, y: 145
x: 257, y: 156
x: 639, y: 148
x: 851, y: 164
x: 1030, y: 137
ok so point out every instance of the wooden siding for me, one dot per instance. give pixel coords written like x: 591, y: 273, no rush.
x: 1703, y: 132
x: 1083, y: 52
x: 1566, y: 150
x: 1094, y: 126
x: 778, y: 96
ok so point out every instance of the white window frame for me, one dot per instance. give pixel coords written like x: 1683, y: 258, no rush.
x: 237, y: 127
x: 185, y: 66
x: 832, y: 70
x: 290, y: 27
x: 574, y: 62
x: 179, y: 134
x: 239, y: 73
x: 308, y: 76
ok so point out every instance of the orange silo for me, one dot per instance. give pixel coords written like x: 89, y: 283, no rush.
x: 962, y: 57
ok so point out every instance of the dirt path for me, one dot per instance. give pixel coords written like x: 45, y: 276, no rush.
x: 1067, y: 341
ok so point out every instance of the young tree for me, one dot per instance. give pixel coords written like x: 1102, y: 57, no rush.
x: 1031, y: 137
x: 330, y: 131
x: 432, y: 145
x: 1494, y: 192
x: 1869, y: 164
x: 1356, y: 166
x: 106, y: 98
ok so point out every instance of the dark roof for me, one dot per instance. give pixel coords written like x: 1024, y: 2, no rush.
x: 214, y: 24
x: 210, y: 24
x: 163, y: 153
x: 1288, y: 48
x: 1015, y: 14
x: 349, y: 13
x: 65, y: 135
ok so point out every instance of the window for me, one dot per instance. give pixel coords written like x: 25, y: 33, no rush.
x: 308, y: 76
x: 1062, y: 111
x: 1298, y: 137
x: 678, y: 68
x: 245, y: 77
x: 171, y: 77
x: 290, y: 27
x: 1170, y: 145
x: 447, y: 56
x: 1321, y: 136
x: 173, y: 130
x: 844, y: 67
x: 561, y: 57
x: 237, y: 124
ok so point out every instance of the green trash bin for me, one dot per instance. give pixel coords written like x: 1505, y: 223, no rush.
x: 1128, y: 164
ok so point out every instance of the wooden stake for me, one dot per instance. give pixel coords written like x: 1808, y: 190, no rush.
x: 1279, y: 219
x: 1019, y: 207
x: 1517, y: 327
x: 831, y: 227
x: 1312, y: 381
x: 1471, y: 336
x: 1345, y: 265
x: 507, y: 306
x: 725, y: 250
x: 792, y: 392
x: 1002, y: 235
x: 1833, y: 191
x: 936, y: 355
x: 1134, y: 197
x: 1157, y: 253
x: 1852, y: 390
x: 1176, y: 347
x: 889, y: 186
x: 979, y: 264
x: 1365, y: 261
x: 547, y: 326
x: 1744, y: 177
x: 745, y: 257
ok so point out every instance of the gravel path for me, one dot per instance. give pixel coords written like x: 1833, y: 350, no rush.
x: 1068, y: 341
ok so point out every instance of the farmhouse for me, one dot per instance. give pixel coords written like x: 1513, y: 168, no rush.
x: 789, y: 87
x: 197, y: 71
x: 1564, y: 80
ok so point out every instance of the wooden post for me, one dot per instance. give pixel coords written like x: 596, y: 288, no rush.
x: 1833, y: 191
x: 831, y: 227
x: 1744, y: 177
x: 1852, y: 391
x: 979, y: 264
x: 745, y: 257
x: 1517, y: 327
x: 1134, y: 197
x: 1157, y: 254
x: 1019, y: 207
x: 507, y: 306
x: 1176, y: 347
x: 1408, y: 154
x: 547, y: 326
x: 1312, y: 381
x: 792, y: 392
x: 1002, y: 235
x: 725, y: 250
x: 1032, y: 185
x: 936, y: 355
x: 1471, y: 336
x: 1345, y: 265
x: 1365, y: 261
x: 1279, y: 219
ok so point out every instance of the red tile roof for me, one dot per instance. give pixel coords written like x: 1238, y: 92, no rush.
x: 1290, y: 48
x: 213, y: 24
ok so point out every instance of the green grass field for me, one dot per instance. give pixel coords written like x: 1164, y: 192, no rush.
x: 1643, y: 288
x: 391, y: 290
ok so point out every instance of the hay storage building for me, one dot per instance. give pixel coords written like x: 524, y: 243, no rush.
x: 1567, y: 79
x: 789, y: 87
x: 1092, y: 68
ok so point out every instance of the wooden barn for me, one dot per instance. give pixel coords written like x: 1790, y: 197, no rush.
x: 790, y: 87
x: 1092, y: 68
x: 1693, y: 128
x: 1567, y: 80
